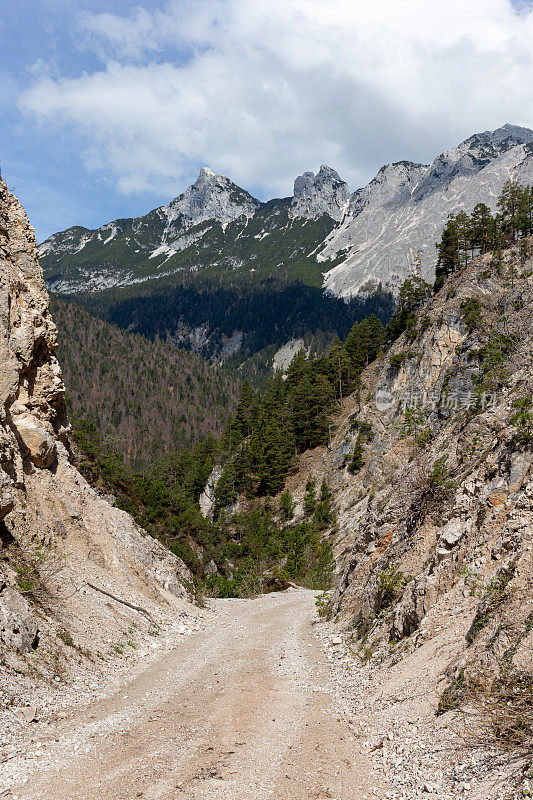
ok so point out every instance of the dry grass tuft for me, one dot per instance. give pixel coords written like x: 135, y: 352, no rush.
x: 499, y: 713
x: 495, y: 712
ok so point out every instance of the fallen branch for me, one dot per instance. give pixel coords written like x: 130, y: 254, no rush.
x: 124, y: 602
x: 2, y: 761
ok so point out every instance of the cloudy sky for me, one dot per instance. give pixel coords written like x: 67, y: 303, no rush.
x: 110, y: 106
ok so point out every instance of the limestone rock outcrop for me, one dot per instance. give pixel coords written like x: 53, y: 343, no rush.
x: 436, y: 529
x: 211, y: 197
x: 18, y: 625
x: 394, y: 221
x: 323, y: 193
x: 57, y: 535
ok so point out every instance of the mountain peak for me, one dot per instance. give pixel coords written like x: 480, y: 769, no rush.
x: 393, y: 183
x: 211, y: 196
x: 468, y: 158
x: 498, y: 140
x: 323, y: 193
x: 519, y: 134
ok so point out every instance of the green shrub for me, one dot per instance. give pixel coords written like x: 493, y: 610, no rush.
x: 471, y: 314
x: 439, y: 479
x: 414, y: 424
x: 391, y: 582
x: 492, y: 359
x: 398, y: 359
x: 324, y: 605
x: 522, y: 419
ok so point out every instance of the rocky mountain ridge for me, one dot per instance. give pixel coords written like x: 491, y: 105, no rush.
x: 323, y: 193
x: 393, y: 224
x: 354, y: 243
x: 211, y: 197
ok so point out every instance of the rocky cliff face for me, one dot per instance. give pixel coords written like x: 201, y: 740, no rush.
x: 57, y: 535
x: 396, y: 220
x: 323, y: 193
x: 435, y: 531
x: 447, y: 482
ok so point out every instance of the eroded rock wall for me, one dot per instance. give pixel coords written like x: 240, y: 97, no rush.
x: 57, y: 534
x: 441, y: 514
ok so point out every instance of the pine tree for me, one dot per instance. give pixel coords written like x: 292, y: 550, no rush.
x: 323, y: 513
x: 342, y: 369
x: 357, y: 459
x: 296, y: 370
x: 296, y: 563
x: 311, y: 403
x: 413, y: 293
x: 448, y: 252
x: 525, y: 212
x: 310, y: 495
x: 480, y: 224
x: 245, y: 415
x: 271, y: 448
x: 509, y: 203
x: 286, y: 506
x: 364, y: 342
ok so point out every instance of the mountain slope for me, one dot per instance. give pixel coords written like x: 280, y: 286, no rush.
x: 62, y: 545
x: 213, y: 227
x: 431, y: 473
x: 150, y: 397
x: 397, y: 218
x: 223, y: 274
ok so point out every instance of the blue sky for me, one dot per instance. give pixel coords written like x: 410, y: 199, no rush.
x: 42, y: 164
x: 111, y: 107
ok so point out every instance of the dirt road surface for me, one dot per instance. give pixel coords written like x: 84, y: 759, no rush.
x: 239, y: 712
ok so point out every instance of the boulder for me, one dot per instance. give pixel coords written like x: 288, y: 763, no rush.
x: 453, y: 532
x: 18, y: 628
x: 40, y: 446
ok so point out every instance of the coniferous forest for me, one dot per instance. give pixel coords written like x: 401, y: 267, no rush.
x: 148, y: 397
x: 244, y: 549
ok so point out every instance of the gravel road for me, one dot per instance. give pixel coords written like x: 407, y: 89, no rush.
x: 240, y: 710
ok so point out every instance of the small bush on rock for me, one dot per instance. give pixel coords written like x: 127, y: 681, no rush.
x: 390, y: 585
x: 522, y: 419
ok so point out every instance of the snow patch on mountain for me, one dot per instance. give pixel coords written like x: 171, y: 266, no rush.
x: 168, y: 248
x: 110, y: 229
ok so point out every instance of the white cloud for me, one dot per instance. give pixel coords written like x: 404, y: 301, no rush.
x: 345, y: 82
